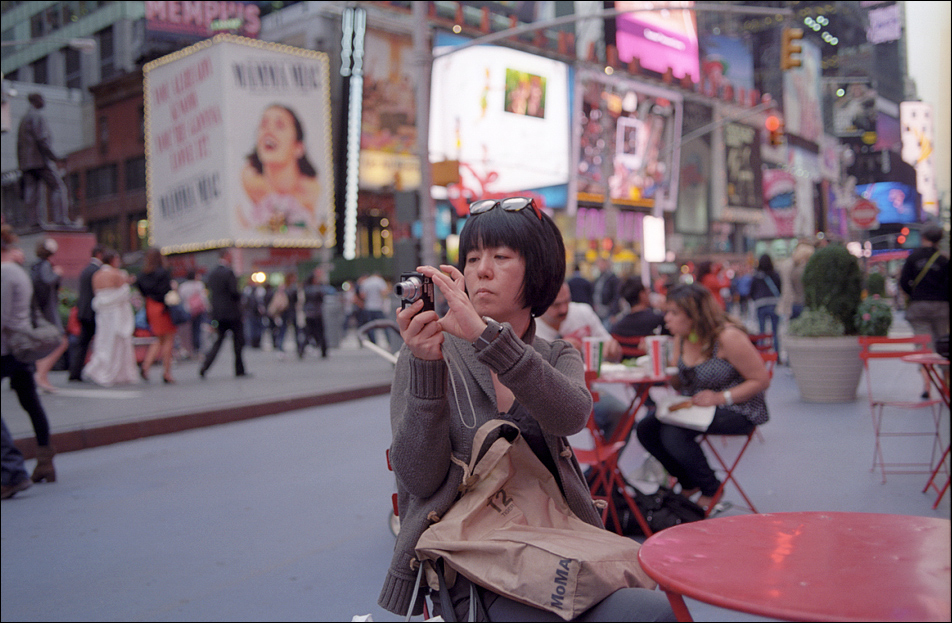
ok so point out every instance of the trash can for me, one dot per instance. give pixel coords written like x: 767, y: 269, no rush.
x: 333, y: 311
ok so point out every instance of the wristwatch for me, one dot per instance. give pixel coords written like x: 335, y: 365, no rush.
x: 490, y: 333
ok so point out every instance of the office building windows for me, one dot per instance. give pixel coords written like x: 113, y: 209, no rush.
x: 101, y: 182
x: 74, y: 69
x: 135, y: 173
x: 40, y: 75
x: 107, y: 53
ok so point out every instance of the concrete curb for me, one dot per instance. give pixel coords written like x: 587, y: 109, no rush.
x: 82, y: 439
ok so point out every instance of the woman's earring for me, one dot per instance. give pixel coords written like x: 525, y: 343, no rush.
x: 692, y: 337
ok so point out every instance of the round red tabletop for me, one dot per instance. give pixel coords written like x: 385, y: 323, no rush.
x: 810, y: 566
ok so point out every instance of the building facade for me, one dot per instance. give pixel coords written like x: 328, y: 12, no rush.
x: 721, y: 186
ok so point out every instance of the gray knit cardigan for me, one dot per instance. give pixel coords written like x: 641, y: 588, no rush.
x: 429, y: 423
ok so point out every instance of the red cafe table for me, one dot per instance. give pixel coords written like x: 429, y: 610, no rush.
x: 810, y: 566
x: 640, y: 381
x: 932, y: 363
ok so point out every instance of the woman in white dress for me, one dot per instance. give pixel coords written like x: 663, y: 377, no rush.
x: 113, y: 361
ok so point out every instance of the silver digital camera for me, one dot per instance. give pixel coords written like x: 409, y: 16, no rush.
x: 413, y: 287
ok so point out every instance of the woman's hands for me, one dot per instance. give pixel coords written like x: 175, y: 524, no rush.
x: 708, y: 398
x: 423, y: 331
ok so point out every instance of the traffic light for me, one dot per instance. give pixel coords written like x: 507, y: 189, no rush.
x: 775, y: 128
x: 789, y: 49
x: 901, y: 238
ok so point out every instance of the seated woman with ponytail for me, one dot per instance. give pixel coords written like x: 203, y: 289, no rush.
x: 718, y: 366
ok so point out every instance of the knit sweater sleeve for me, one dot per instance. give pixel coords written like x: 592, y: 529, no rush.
x: 555, y: 394
x: 421, y: 447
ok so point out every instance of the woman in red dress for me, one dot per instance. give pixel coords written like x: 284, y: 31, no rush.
x: 155, y: 282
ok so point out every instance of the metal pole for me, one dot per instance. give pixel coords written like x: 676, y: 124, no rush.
x: 423, y: 58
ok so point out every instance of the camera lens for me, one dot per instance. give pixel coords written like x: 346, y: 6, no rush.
x: 409, y: 290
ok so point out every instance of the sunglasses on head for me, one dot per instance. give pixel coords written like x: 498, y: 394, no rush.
x: 512, y: 204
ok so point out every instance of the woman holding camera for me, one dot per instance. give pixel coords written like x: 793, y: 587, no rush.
x: 511, y: 266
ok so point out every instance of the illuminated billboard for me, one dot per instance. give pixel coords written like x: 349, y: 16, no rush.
x: 388, y: 133
x: 917, y: 131
x: 504, y: 115
x: 193, y: 21
x: 635, y: 125
x: 780, y: 205
x: 726, y: 61
x: 238, y: 146
x: 802, y: 113
x: 659, y: 39
x: 896, y: 202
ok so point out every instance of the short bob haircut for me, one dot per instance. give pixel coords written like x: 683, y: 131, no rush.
x: 700, y: 306
x: 538, y: 241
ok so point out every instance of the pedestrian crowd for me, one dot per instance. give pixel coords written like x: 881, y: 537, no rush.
x: 123, y: 323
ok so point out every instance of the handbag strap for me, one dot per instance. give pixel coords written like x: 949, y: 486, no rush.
x: 449, y: 614
x: 924, y: 270
x: 416, y: 591
x: 469, y: 477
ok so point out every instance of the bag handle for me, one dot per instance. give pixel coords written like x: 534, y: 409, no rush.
x: 449, y: 614
x: 469, y: 477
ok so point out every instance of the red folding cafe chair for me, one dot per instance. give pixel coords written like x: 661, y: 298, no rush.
x: 606, y: 476
x: 763, y: 342
x: 900, y: 423
x: 730, y: 468
x: 770, y: 361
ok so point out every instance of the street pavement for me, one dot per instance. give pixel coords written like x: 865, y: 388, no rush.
x: 83, y: 415
x: 284, y: 517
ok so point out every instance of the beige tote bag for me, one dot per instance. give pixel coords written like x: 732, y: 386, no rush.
x: 512, y: 532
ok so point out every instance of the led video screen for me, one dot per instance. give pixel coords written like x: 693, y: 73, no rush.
x: 504, y: 115
x: 659, y: 39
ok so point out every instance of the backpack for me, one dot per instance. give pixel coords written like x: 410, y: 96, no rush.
x: 662, y: 509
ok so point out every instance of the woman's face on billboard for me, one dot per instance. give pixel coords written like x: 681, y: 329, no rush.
x: 277, y: 138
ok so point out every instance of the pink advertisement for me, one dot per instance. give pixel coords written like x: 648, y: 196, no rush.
x: 780, y: 205
x: 200, y: 20
x: 659, y: 39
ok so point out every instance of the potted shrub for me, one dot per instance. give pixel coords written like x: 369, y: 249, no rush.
x: 873, y: 316
x: 821, y: 345
x: 876, y: 284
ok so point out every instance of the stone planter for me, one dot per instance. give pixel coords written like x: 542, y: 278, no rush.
x: 827, y: 369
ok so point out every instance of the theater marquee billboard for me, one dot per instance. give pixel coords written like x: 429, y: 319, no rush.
x: 238, y: 147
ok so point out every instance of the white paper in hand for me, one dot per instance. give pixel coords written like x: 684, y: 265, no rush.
x: 693, y: 417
